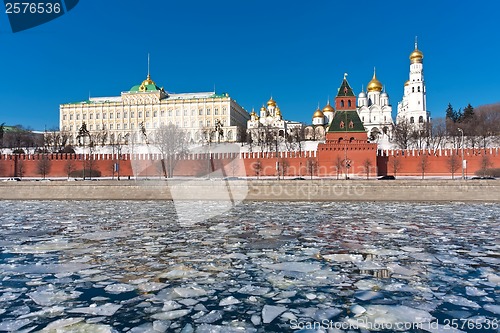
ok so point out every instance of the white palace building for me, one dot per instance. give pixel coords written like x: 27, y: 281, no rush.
x: 135, y: 114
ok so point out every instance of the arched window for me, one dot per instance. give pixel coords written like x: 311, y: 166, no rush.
x: 230, y: 135
x: 342, y: 104
x: 349, y: 103
x: 418, y: 89
x: 421, y: 119
x: 412, y: 120
x: 412, y: 89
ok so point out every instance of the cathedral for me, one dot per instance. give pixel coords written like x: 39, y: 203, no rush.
x: 270, y: 119
x: 374, y: 108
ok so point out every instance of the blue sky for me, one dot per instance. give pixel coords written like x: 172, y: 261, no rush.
x: 295, y: 51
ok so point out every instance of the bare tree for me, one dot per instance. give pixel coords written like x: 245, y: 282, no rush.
x: 395, y: 165
x: 403, y: 133
x: 43, y: 166
x: 423, y: 164
x: 171, y: 141
x: 257, y: 167
x: 312, y: 166
x: 453, y: 164
x: 367, y: 164
x: 283, y: 166
x: 339, y: 164
x: 485, y: 164
x: 21, y: 169
x: 69, y: 167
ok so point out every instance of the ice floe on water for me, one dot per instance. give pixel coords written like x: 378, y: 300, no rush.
x: 257, y: 267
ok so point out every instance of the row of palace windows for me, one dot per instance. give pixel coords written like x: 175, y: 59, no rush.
x: 184, y: 124
x: 162, y: 113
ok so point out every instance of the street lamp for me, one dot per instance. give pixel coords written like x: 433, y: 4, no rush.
x: 462, y: 144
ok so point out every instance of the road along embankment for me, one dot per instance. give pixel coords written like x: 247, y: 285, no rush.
x: 256, y: 190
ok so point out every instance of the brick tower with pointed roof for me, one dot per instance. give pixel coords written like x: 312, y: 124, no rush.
x: 346, y: 149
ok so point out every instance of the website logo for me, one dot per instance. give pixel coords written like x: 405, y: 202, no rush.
x: 25, y: 15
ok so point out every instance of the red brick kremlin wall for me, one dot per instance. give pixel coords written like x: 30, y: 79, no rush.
x: 322, y: 163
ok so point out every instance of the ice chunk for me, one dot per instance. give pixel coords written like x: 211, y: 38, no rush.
x: 253, y: 290
x: 473, y: 291
x: 302, y: 267
x: 188, y: 292
x: 151, y: 286
x: 85, y: 328
x: 368, y: 295
x: 341, y: 257
x: 107, y: 309
x: 389, y: 316
x: 169, y: 315
x: 460, y: 301
x: 255, y: 319
x: 13, y: 325
x: 228, y: 301
x: 210, y: 318
x: 207, y: 328
x: 119, y: 288
x: 171, y: 305
x: 270, y: 312
x: 61, y: 323
x: 492, y: 308
x: 49, y: 297
x: 357, y: 310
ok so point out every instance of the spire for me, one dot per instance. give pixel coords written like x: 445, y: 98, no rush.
x: 149, y: 76
x: 416, y: 43
x: 374, y: 72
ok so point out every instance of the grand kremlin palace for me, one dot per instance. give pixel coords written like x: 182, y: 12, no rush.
x: 135, y: 114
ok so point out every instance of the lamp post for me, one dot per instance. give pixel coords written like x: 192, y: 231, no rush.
x: 462, y: 144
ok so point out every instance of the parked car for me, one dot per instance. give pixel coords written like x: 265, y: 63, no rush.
x: 386, y: 177
x: 13, y: 179
x: 483, y: 177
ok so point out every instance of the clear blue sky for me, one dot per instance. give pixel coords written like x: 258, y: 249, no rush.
x: 296, y: 51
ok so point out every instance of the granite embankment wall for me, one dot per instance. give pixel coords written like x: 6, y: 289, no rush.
x: 256, y: 190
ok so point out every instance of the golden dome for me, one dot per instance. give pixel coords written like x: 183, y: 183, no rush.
x: 271, y: 102
x: 416, y: 56
x: 318, y: 114
x: 328, y: 108
x: 407, y: 82
x: 374, y: 84
x: 263, y: 108
x: 278, y: 111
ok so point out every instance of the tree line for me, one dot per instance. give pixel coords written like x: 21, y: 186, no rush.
x: 480, y: 127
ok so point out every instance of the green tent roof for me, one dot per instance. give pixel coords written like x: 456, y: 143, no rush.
x: 345, y: 89
x: 346, y: 121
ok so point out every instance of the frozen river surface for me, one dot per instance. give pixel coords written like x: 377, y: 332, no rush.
x: 260, y: 267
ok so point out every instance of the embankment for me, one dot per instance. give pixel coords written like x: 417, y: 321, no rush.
x: 257, y: 190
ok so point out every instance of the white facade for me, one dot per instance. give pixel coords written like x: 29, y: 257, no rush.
x: 135, y: 114
x: 375, y: 111
x: 413, y: 107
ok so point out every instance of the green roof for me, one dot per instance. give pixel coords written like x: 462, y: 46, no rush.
x: 345, y: 89
x: 147, y: 87
x: 346, y: 121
